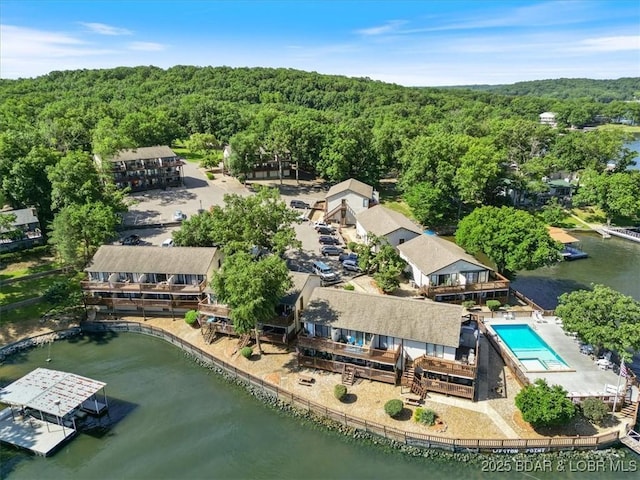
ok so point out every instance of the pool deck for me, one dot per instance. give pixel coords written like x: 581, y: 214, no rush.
x: 584, y: 378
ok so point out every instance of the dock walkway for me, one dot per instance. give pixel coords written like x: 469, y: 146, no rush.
x: 41, y: 437
x: 623, y: 233
x: 632, y: 440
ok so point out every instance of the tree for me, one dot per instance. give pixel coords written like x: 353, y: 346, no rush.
x: 430, y: 205
x: 78, y: 230
x: 262, y: 220
x: 594, y: 409
x: 252, y: 289
x: 512, y: 239
x: 74, y: 179
x: 377, y: 256
x: 615, y: 193
x: 545, y: 406
x: 553, y: 213
x: 602, y: 317
x: 7, y: 230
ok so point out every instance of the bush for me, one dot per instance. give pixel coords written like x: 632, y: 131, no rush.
x: 545, y: 406
x: 425, y: 416
x: 349, y: 287
x: 393, y: 407
x: 339, y: 391
x: 246, y: 352
x: 211, y: 176
x: 191, y: 317
x: 594, y: 410
x: 493, y: 305
x: 352, y: 246
x: 468, y: 303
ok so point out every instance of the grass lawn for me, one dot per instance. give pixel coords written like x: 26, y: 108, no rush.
x: 187, y: 154
x: 626, y: 128
x: 22, y: 290
x: 32, y: 312
x: 398, y: 206
x: 17, y: 270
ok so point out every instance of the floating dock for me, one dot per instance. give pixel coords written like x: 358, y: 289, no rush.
x: 626, y: 233
x: 43, y: 407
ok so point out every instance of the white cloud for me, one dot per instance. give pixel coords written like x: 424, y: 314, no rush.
x: 103, y: 29
x: 609, y: 44
x: 389, y: 27
x: 146, y: 46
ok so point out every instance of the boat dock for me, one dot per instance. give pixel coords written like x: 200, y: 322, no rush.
x: 632, y: 440
x: 624, y: 233
x: 43, y: 407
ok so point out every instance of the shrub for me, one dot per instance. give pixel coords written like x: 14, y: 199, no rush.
x: 352, y: 246
x: 594, y: 409
x: 393, y: 407
x: 191, y: 317
x: 426, y: 416
x: 468, y: 303
x: 493, y: 305
x: 246, y: 352
x: 339, y: 391
x: 545, y: 406
x: 211, y: 176
x: 349, y: 287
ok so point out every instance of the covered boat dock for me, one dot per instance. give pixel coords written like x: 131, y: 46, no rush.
x: 43, y: 406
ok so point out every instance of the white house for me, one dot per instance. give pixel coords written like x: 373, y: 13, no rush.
x: 385, y: 223
x: 445, y: 272
x: 346, y: 199
x: 379, y: 336
x: 548, y: 118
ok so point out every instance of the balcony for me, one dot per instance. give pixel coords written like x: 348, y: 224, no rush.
x: 214, y: 309
x: 337, y: 367
x: 447, y: 367
x: 135, y: 287
x: 448, y: 388
x: 389, y: 357
x: 433, y: 291
x: 141, y: 303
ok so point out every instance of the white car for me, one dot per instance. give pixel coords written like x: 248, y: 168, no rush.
x: 178, y: 216
x: 167, y: 243
x: 320, y: 223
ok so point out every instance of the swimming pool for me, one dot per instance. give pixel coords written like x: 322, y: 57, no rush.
x: 530, y: 350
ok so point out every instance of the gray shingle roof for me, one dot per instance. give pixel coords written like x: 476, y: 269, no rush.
x: 380, y: 220
x: 431, y: 253
x: 24, y: 216
x: 142, y: 153
x: 299, y: 280
x: 146, y: 259
x: 354, y: 185
x: 419, y: 320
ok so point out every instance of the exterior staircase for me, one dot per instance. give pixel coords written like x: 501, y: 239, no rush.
x: 419, y: 389
x: 209, y: 335
x: 409, y: 374
x: 630, y: 410
x: 348, y: 375
x: 243, y: 342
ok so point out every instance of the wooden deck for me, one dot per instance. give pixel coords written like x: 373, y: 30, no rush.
x: 632, y: 440
x: 439, y: 365
x: 135, y: 287
x: 496, y: 285
x: 338, y: 367
x: 387, y: 357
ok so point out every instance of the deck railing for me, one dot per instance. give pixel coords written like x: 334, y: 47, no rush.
x: 389, y: 357
x: 506, y: 446
x: 138, y: 287
x: 215, y: 309
x: 448, y: 367
x: 449, y: 388
x: 337, y: 367
x: 141, y: 303
x: 432, y: 291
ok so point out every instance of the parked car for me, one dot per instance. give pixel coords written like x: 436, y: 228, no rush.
x: 299, y: 204
x: 324, y: 271
x: 348, y: 256
x: 351, y: 265
x: 178, y: 216
x: 328, y: 240
x: 319, y: 223
x: 330, y: 250
x: 130, y: 240
x: 167, y: 243
x: 326, y: 230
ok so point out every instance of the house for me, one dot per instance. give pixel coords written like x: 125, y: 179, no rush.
x: 24, y: 231
x: 560, y: 188
x: 144, y: 168
x: 265, y: 164
x: 149, y: 280
x: 285, y: 324
x: 346, y: 199
x: 382, y: 222
x: 444, y: 272
x: 390, y: 339
x: 548, y: 118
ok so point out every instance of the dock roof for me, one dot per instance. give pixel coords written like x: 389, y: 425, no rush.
x: 50, y: 391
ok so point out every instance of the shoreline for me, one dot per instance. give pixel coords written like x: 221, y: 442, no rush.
x: 432, y: 445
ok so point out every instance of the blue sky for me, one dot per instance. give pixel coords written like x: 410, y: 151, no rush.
x: 428, y: 43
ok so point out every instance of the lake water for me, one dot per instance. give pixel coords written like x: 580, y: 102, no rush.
x: 635, y: 146
x: 181, y: 421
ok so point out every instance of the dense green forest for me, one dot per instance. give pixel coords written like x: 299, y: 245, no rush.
x: 451, y: 150
x: 604, y: 91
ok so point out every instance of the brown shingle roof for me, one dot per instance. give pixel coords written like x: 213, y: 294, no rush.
x: 354, y: 185
x: 419, y: 320
x: 142, y: 153
x: 380, y: 220
x: 147, y: 259
x: 431, y: 253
